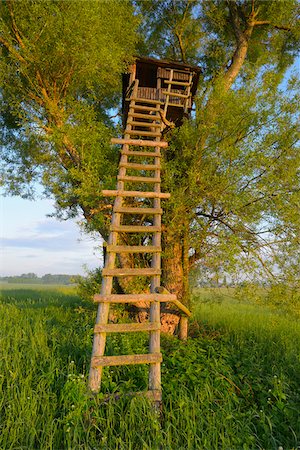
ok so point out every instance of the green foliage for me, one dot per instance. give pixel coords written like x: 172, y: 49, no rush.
x: 235, y: 384
x: 89, y: 285
x: 232, y: 169
x: 60, y: 71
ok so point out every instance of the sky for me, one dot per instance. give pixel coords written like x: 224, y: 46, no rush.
x: 33, y: 242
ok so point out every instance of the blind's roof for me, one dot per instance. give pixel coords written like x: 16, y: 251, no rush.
x: 169, y: 63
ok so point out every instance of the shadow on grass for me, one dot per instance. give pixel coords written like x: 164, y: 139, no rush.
x: 42, y: 298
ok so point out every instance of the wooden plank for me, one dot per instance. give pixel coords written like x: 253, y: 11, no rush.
x: 135, y: 228
x: 140, y: 153
x: 126, y: 272
x: 139, y: 142
x: 145, y: 100
x: 126, y: 360
x: 133, y: 298
x: 135, y: 210
x: 133, y: 249
x: 140, y: 166
x: 126, y: 327
x: 139, y: 179
x: 140, y: 194
x: 175, y: 94
x: 146, y: 108
x: 144, y: 124
x: 179, y: 83
x: 143, y: 133
x: 152, y: 117
x: 182, y: 307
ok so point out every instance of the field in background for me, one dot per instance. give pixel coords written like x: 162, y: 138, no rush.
x: 234, y: 385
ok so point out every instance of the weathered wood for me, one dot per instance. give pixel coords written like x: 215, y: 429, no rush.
x: 140, y: 166
x: 126, y: 327
x: 133, y: 249
x: 134, y: 298
x: 135, y: 228
x: 139, y: 194
x: 183, y: 328
x: 144, y: 124
x: 153, y: 117
x: 143, y: 133
x: 136, y: 210
x: 146, y: 108
x: 139, y: 142
x: 126, y: 272
x: 139, y: 179
x: 145, y: 100
x: 138, y: 153
x: 99, y: 341
x: 175, y: 94
x: 154, y: 342
x: 179, y: 83
x: 182, y: 308
x: 126, y: 360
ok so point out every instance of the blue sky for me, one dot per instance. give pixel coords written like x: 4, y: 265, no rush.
x: 33, y: 242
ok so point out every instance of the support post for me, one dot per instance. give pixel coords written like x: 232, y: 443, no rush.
x: 183, y: 328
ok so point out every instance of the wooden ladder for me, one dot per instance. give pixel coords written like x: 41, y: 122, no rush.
x: 143, y: 130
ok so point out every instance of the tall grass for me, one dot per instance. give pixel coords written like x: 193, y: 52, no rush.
x: 234, y: 385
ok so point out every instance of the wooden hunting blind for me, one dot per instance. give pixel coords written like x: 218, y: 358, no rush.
x: 157, y: 79
x: 156, y: 95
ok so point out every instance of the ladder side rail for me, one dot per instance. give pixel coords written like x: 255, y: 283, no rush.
x: 168, y: 92
x: 188, y: 93
x: 99, y: 342
x: 154, y: 342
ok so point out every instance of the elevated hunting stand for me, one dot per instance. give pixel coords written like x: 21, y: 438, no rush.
x: 156, y: 95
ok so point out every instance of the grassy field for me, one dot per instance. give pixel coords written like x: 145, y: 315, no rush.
x: 234, y: 385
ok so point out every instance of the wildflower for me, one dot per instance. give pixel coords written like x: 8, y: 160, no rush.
x: 72, y: 362
x: 73, y: 406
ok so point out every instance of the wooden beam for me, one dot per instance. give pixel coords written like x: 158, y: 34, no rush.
x: 126, y: 360
x: 139, y: 142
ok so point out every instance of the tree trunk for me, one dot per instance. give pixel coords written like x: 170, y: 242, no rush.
x: 175, y: 277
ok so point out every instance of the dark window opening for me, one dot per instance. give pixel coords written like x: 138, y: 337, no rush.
x: 147, y: 75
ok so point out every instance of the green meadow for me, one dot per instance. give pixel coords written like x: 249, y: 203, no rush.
x: 235, y: 384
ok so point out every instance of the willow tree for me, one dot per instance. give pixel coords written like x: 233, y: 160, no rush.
x: 60, y: 72
x: 232, y: 168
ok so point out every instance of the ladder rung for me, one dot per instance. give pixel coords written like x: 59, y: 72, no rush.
x: 140, y: 166
x: 101, y: 361
x: 139, y: 179
x: 125, y: 272
x: 179, y: 83
x: 126, y: 327
x: 133, y: 249
x: 135, y: 228
x: 143, y: 124
x: 178, y: 105
x: 134, y: 298
x: 138, y: 194
x: 146, y: 108
x: 138, y: 153
x: 145, y: 100
x: 175, y: 94
x: 135, y: 210
x: 139, y: 142
x: 142, y: 133
x: 144, y: 116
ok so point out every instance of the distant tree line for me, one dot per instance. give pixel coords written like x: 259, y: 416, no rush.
x: 32, y: 278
